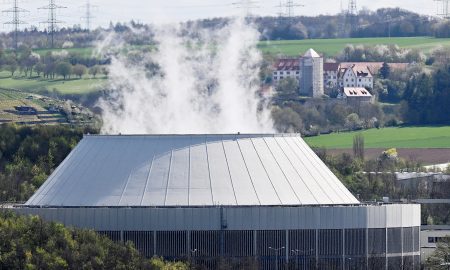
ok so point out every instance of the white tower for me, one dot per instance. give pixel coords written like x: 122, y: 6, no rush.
x: 311, y: 80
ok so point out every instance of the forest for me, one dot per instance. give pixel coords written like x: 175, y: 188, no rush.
x: 31, y: 243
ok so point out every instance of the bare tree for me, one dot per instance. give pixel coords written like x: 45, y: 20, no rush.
x: 358, y: 146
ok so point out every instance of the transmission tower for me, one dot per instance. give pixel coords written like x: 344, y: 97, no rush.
x: 247, y: 6
x: 444, y: 12
x: 15, y: 22
x: 88, y: 14
x: 52, y: 22
x: 352, y: 14
x: 290, y: 8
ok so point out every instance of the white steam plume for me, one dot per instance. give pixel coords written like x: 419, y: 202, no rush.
x: 206, y: 84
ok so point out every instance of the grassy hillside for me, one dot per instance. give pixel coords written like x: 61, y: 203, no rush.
x: 407, y: 137
x: 332, y: 47
x: 73, y: 86
x: 10, y: 99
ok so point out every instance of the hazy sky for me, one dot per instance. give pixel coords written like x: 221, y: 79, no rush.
x: 181, y: 10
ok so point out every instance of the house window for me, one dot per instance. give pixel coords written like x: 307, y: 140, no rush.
x: 360, y: 80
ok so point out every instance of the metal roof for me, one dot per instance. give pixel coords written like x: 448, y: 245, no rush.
x: 192, y: 170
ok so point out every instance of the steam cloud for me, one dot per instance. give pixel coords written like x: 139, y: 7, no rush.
x: 206, y: 84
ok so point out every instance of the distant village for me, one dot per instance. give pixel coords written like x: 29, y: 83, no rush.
x: 351, y: 81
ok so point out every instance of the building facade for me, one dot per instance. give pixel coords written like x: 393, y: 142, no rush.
x: 356, y: 96
x: 286, y: 68
x: 355, y: 76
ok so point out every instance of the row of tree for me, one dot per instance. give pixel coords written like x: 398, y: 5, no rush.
x: 384, y: 22
x: 50, y: 65
x: 427, y: 98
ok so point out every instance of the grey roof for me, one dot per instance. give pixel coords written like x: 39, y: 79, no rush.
x: 192, y: 170
x: 311, y: 54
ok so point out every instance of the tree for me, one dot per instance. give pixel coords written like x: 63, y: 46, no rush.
x: 31, y: 243
x: 287, y: 86
x: 31, y: 61
x: 287, y: 120
x: 441, y: 256
x: 352, y: 122
x: 12, y: 65
x: 358, y: 146
x: 39, y: 68
x: 385, y: 71
x: 79, y: 70
x: 64, y: 69
x: 94, y: 71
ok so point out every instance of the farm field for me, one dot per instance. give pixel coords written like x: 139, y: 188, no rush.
x: 332, y: 47
x: 403, y: 137
x: 35, y: 85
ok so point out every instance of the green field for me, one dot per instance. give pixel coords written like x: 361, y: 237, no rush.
x: 406, y: 137
x: 332, y: 47
x: 35, y: 85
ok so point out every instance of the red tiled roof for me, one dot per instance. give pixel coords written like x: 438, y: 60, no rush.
x: 287, y: 64
x: 374, y: 67
x: 330, y: 67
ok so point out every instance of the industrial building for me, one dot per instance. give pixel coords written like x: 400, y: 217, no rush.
x: 266, y: 200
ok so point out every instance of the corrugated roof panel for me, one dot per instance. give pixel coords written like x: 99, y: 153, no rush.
x: 134, y: 189
x: 280, y: 183
x: 261, y: 182
x: 304, y: 173
x: 178, y: 186
x: 76, y: 176
x: 195, y: 170
x: 243, y: 186
x: 200, y: 183
x: 155, y: 194
x: 222, y: 187
x: 307, y: 159
x: 301, y: 189
x: 323, y: 168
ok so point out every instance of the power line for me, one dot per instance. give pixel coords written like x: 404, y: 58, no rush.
x: 247, y: 6
x: 445, y: 13
x: 352, y: 14
x: 16, y: 22
x: 52, y: 22
x: 88, y: 14
x: 290, y: 8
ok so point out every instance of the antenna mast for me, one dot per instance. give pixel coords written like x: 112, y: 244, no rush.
x: 52, y: 22
x: 16, y: 22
